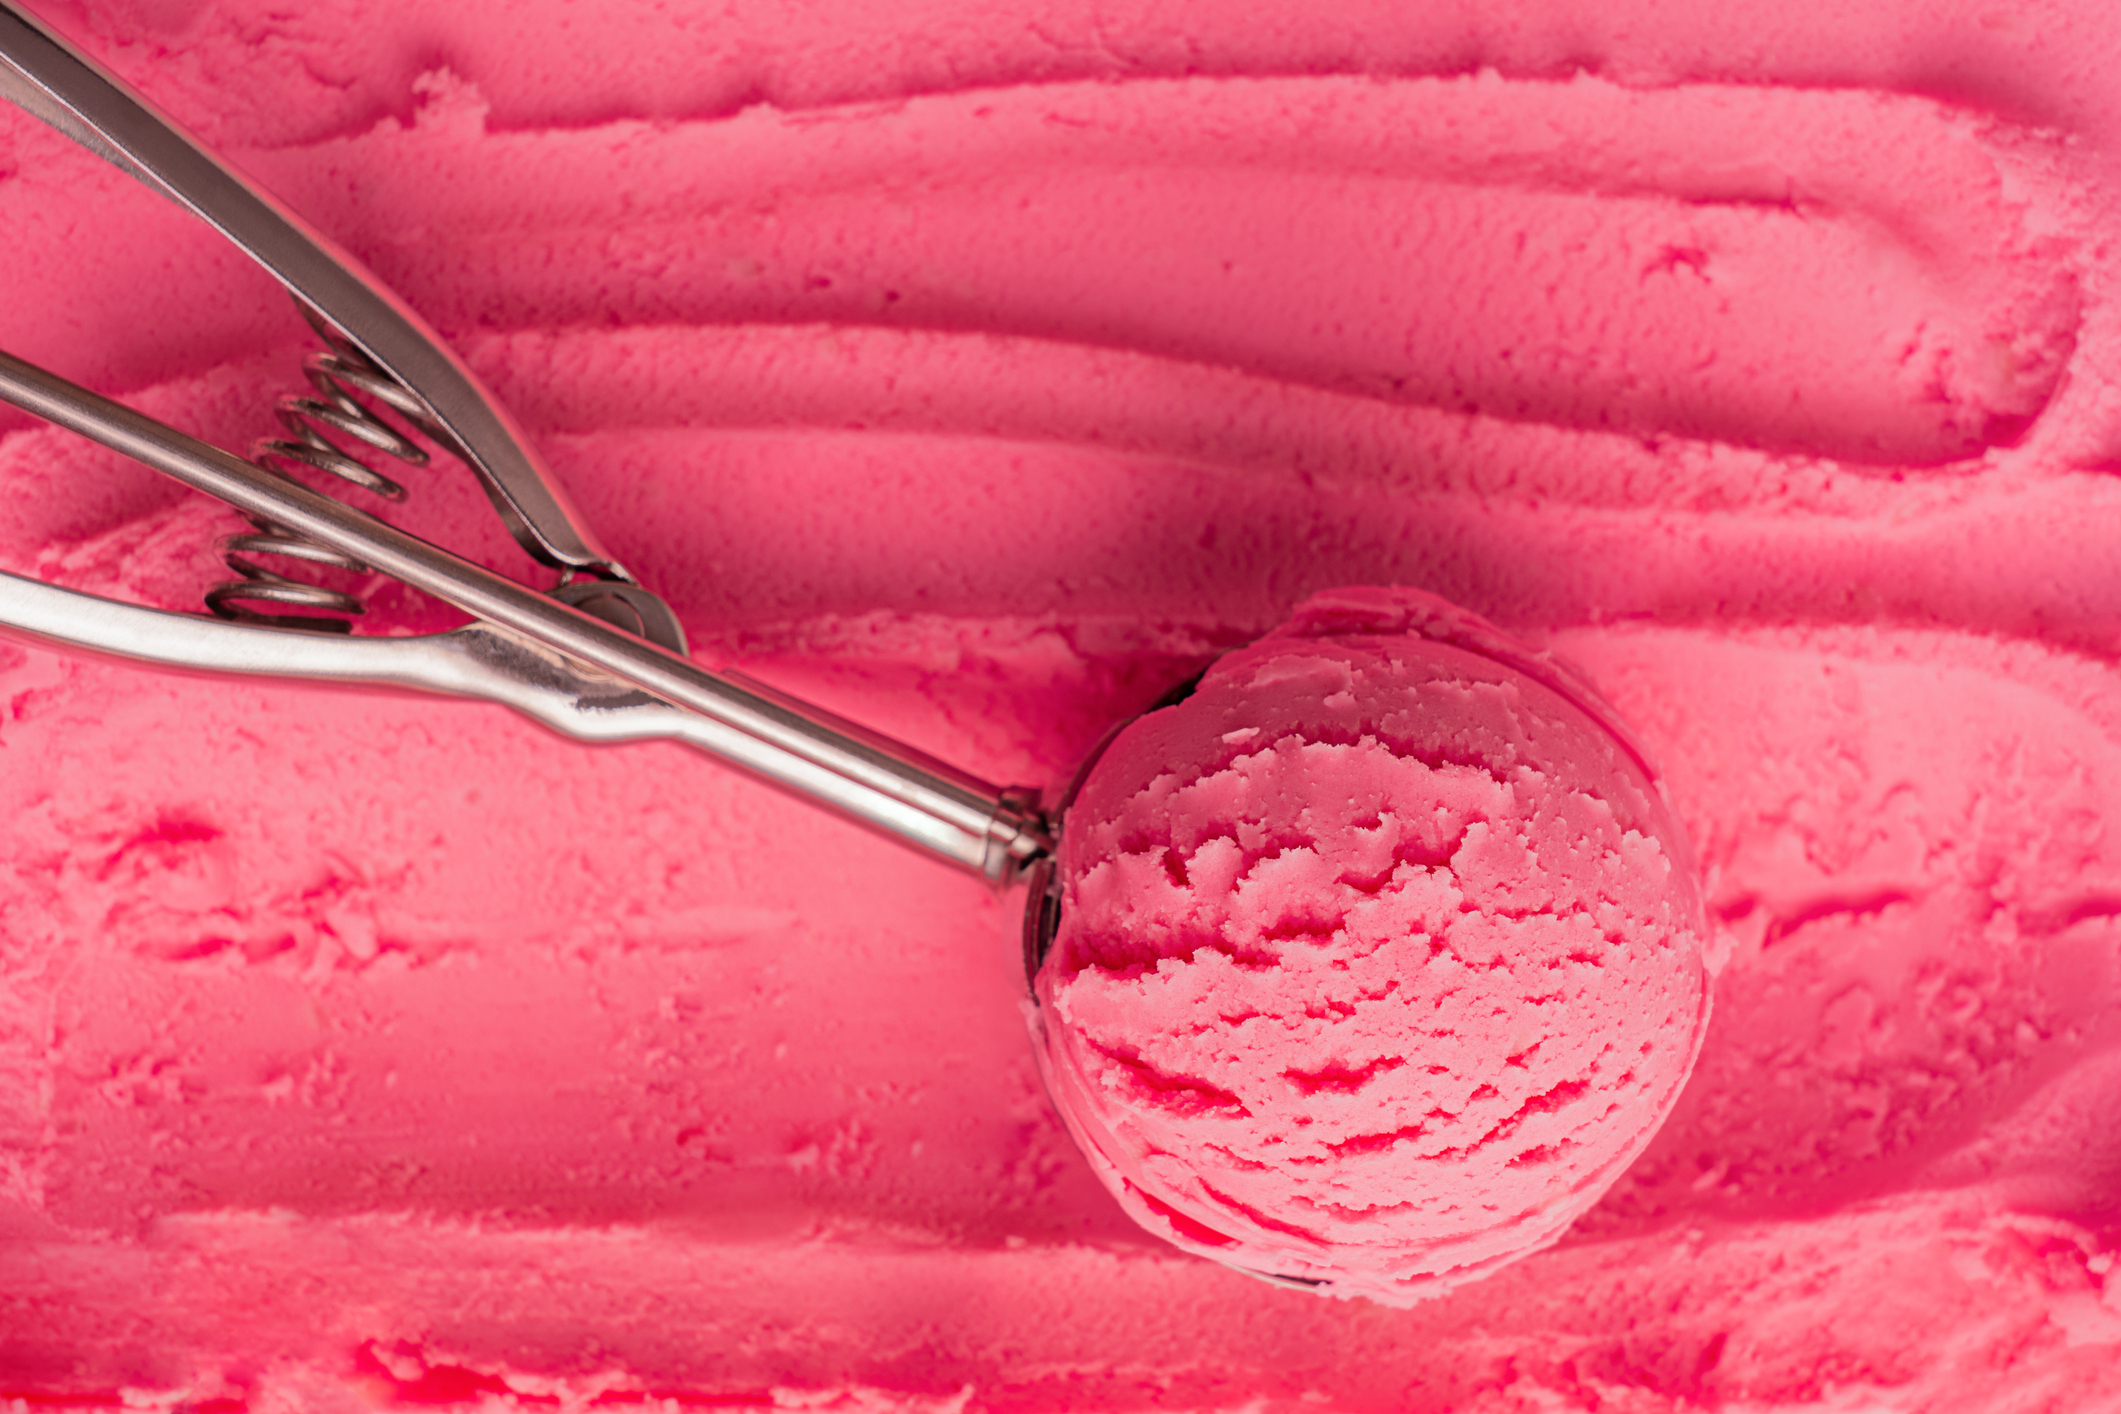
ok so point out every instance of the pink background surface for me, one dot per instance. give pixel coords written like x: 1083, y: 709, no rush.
x: 980, y: 370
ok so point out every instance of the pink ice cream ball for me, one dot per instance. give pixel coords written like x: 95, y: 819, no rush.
x: 1380, y: 956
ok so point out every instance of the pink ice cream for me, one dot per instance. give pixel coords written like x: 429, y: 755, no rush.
x: 981, y: 370
x: 1379, y: 957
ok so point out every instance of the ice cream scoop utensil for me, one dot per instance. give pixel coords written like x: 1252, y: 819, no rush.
x: 944, y: 812
x: 378, y: 348
x: 560, y: 642
x: 48, y: 78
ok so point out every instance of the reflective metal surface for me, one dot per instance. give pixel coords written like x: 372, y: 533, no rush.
x: 887, y: 785
x: 47, y: 77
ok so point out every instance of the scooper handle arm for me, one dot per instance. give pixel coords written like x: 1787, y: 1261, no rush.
x: 50, y: 79
x: 886, y: 785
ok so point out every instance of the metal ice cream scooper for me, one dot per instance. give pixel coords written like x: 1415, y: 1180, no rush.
x: 597, y: 657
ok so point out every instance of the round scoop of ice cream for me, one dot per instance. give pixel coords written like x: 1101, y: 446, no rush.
x: 1379, y: 956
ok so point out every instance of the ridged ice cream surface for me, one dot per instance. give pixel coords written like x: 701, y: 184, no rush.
x: 1378, y: 957
x: 979, y: 370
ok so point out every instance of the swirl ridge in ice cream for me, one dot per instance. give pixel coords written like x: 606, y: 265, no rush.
x: 979, y: 370
x: 1379, y: 957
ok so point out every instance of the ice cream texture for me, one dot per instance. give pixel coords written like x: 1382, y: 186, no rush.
x: 981, y: 371
x: 1379, y: 956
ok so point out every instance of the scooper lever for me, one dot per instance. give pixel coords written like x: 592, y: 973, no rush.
x: 48, y: 78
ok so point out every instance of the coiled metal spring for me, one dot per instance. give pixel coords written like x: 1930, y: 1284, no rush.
x: 336, y: 376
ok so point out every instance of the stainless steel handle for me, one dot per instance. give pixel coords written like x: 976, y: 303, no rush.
x: 891, y: 787
x: 47, y: 77
x: 478, y: 661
